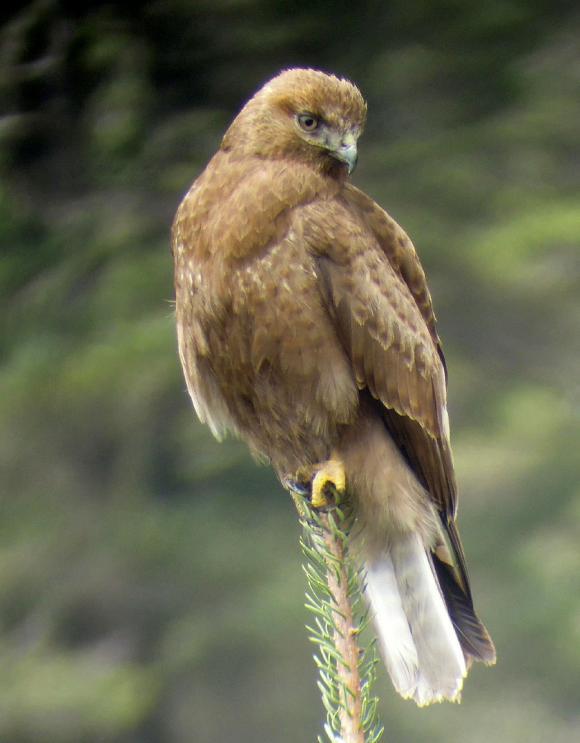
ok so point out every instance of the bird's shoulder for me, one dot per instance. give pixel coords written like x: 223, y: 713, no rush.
x: 350, y: 223
x: 399, y: 249
x: 239, y: 205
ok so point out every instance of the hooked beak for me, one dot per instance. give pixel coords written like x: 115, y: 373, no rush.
x: 346, y: 151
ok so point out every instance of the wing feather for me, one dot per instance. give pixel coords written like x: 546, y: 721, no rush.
x: 375, y: 289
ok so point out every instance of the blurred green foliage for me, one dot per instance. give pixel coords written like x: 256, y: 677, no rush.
x: 150, y: 588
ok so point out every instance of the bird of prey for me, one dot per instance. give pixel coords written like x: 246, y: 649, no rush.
x: 305, y: 327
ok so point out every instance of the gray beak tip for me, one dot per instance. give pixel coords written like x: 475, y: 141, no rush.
x: 347, y: 153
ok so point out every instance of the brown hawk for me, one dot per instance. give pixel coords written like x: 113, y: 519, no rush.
x: 305, y: 326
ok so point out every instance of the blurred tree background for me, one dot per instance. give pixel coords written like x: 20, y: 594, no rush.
x: 150, y: 582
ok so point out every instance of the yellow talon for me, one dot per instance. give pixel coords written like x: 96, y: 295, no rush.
x: 329, y: 474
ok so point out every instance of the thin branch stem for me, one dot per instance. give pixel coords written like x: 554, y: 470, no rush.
x: 345, y: 638
x: 334, y: 597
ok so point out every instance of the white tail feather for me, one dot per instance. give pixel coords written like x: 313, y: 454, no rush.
x: 419, y: 645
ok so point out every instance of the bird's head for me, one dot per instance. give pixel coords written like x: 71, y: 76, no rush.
x: 305, y: 115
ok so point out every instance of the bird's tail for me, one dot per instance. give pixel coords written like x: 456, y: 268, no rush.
x: 418, y: 640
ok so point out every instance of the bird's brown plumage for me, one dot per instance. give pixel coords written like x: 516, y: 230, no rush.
x: 306, y: 327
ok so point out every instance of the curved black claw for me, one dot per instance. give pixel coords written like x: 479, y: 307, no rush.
x: 304, y: 489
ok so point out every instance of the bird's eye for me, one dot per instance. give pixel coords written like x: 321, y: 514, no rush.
x: 308, y: 122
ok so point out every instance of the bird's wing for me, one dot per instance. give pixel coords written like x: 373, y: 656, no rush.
x: 401, y: 253
x: 375, y: 290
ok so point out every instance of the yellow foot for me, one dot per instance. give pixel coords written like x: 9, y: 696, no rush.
x: 328, y: 483
x: 323, y: 484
